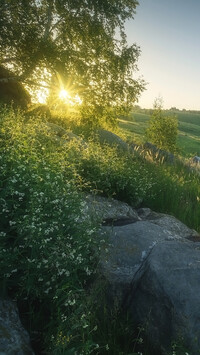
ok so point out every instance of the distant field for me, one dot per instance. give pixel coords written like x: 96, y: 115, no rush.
x: 188, y: 141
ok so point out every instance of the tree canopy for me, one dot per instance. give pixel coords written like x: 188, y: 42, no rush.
x: 79, y: 42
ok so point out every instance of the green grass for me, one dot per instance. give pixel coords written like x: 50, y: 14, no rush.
x: 188, y: 140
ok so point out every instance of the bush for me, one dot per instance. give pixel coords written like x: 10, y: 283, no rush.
x: 47, y: 256
x: 113, y: 174
x: 48, y: 250
x: 162, y: 130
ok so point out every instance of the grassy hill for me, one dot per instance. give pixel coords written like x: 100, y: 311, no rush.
x: 49, y: 252
x: 188, y: 141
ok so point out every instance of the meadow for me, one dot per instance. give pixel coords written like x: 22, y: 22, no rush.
x: 188, y: 140
x: 48, y: 249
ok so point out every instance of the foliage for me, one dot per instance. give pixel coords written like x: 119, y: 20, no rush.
x: 47, y: 253
x: 114, y: 174
x: 73, y: 44
x: 162, y: 130
x: 48, y: 246
x: 47, y: 239
x: 176, y: 191
x: 188, y: 141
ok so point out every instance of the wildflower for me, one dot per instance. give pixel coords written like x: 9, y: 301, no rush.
x: 12, y: 223
x: 2, y: 234
x: 15, y: 270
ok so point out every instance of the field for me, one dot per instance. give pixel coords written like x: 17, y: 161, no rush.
x: 188, y: 141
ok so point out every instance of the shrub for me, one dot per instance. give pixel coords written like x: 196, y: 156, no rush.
x: 162, y: 130
x: 47, y: 256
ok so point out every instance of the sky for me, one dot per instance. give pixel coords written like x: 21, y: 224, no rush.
x: 168, y: 34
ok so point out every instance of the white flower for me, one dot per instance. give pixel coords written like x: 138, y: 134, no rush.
x: 2, y: 234
x: 15, y: 270
x: 12, y: 223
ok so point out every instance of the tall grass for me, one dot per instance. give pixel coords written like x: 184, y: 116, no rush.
x: 176, y: 191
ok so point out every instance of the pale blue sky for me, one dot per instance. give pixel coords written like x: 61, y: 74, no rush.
x: 168, y: 33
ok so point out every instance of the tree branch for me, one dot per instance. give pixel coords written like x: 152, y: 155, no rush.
x: 25, y: 81
x: 49, y: 20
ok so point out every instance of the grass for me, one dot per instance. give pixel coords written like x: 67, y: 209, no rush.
x: 188, y: 141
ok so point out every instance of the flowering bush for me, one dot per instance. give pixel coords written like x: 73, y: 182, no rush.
x: 47, y: 239
x: 46, y: 244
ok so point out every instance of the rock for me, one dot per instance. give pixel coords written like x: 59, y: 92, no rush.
x: 196, y: 160
x: 171, y: 225
x: 14, y: 340
x: 159, y: 154
x: 110, y: 211
x: 64, y: 134
x: 111, y: 139
x: 164, y: 297
x: 153, y: 271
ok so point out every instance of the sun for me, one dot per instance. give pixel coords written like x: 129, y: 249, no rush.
x: 69, y: 99
x: 64, y: 95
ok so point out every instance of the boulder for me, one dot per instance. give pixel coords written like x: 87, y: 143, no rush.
x: 14, y: 340
x: 152, y: 267
x: 159, y: 154
x: 110, y: 211
x: 64, y: 135
x: 164, y: 297
x: 112, y: 139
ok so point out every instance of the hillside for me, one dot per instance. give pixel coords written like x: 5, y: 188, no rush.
x: 188, y: 142
x: 49, y: 245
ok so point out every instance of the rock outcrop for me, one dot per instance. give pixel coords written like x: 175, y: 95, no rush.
x: 112, y: 139
x: 152, y: 266
x: 14, y: 340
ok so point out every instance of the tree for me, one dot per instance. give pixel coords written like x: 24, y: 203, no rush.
x: 80, y: 43
x: 162, y: 130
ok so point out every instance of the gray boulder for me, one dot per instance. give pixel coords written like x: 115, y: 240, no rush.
x: 159, y: 154
x: 14, y: 340
x: 110, y: 211
x: 164, y: 297
x: 64, y: 136
x: 152, y: 269
x: 112, y: 139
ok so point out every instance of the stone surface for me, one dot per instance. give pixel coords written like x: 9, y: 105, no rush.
x: 159, y: 154
x: 110, y: 211
x: 152, y: 267
x: 196, y: 160
x: 65, y: 136
x: 171, y: 225
x: 164, y: 297
x: 112, y: 139
x: 14, y: 340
